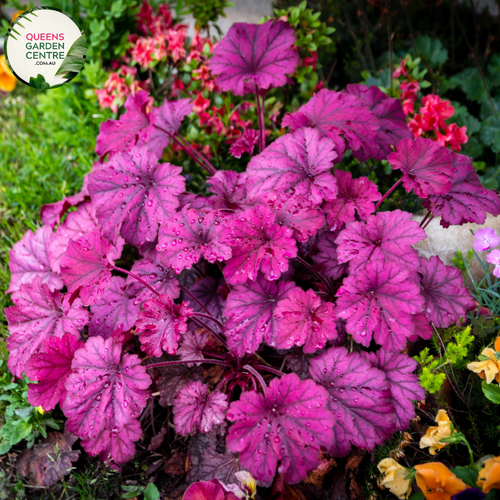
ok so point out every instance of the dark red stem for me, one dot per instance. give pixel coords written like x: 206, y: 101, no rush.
x: 211, y: 318
x: 200, y: 157
x: 424, y: 220
x: 140, y: 280
x: 270, y: 370
x: 388, y: 193
x: 173, y: 363
x: 257, y: 375
x: 262, y: 123
x: 214, y: 334
x: 428, y: 222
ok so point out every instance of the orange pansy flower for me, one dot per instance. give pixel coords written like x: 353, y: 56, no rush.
x: 437, y: 482
x: 489, y: 475
x: 7, y: 79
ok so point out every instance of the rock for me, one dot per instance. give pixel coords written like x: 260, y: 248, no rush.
x: 445, y: 242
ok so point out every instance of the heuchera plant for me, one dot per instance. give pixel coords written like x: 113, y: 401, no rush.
x: 287, y: 277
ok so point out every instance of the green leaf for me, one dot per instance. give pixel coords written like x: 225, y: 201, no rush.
x: 151, y: 492
x: 462, y: 117
x: 470, y: 82
x: 467, y: 475
x: 39, y: 82
x: 75, y: 58
x: 431, y: 49
x: 492, y: 392
x: 490, y: 133
x: 418, y: 496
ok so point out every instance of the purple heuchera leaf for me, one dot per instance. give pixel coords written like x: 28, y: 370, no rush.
x: 191, y: 347
x: 196, y: 201
x: 250, y: 312
x: 427, y: 167
x: 230, y: 189
x: 133, y: 194
x: 206, y: 291
x: 467, y: 200
x: 76, y: 225
x: 334, y: 114
x: 174, y: 378
x: 258, y: 243
x: 116, y: 311
x: 85, y: 267
x: 296, y: 212
x: 359, y: 398
x: 244, y: 143
x: 161, y: 324
x: 161, y: 279
x: 390, y: 115
x: 133, y: 125
x: 403, y: 383
x: 29, y: 258
x: 106, y: 393
x: 297, y: 163
x: 326, y: 258
x: 113, y: 445
x: 37, y: 315
x: 190, y: 235
x: 50, y: 367
x: 195, y: 410
x: 353, y: 196
x: 446, y: 298
x: 377, y: 302
x: 254, y: 56
x: 52, y: 213
x: 167, y: 118
x: 291, y: 423
x: 304, y: 320
x: 386, y: 235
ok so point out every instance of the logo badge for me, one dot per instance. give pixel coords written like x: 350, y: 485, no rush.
x: 45, y: 48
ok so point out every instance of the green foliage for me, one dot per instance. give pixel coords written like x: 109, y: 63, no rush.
x: 433, y: 371
x: 491, y: 391
x: 73, y: 62
x: 431, y: 50
x: 466, y: 474
x: 20, y: 419
x: 150, y: 492
x: 39, y: 82
x: 207, y: 12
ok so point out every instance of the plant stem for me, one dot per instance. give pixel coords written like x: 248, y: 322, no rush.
x: 211, y: 318
x: 190, y: 152
x: 353, y: 34
x: 186, y: 144
x: 186, y: 291
x: 270, y: 369
x: 367, y: 33
x: 257, y: 375
x: 410, y: 26
x: 473, y: 53
x: 428, y: 222
x: 318, y: 275
x: 212, y: 332
x: 140, y: 280
x: 423, y: 221
x: 388, y: 193
x: 173, y: 363
x: 389, y: 36
x: 262, y: 126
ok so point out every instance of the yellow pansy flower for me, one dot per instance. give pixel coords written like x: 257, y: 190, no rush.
x: 434, y: 435
x: 394, y: 478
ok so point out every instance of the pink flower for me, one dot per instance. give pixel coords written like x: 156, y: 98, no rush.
x: 176, y: 38
x: 409, y: 90
x: 454, y: 136
x: 311, y: 61
x: 143, y: 51
x: 485, y: 238
x: 401, y: 69
x: 208, y: 490
x: 408, y: 107
x: 494, y: 258
x: 436, y: 111
x: 201, y: 104
x: 105, y: 99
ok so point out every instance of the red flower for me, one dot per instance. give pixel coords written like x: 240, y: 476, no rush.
x: 200, y: 103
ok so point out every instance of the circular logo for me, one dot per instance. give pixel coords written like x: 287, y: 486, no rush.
x: 44, y: 48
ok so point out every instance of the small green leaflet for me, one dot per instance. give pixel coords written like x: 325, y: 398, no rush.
x: 492, y: 392
x: 39, y: 82
x: 151, y: 492
x: 73, y: 62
